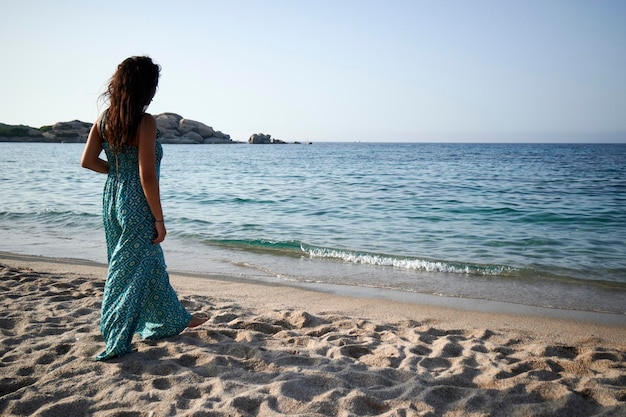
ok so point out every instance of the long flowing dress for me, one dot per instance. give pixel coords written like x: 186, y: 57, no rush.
x: 138, y: 297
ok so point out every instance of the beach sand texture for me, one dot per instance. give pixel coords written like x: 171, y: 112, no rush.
x: 279, y: 351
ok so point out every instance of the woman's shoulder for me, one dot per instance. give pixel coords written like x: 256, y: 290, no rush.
x: 149, y: 116
x: 148, y: 121
x: 147, y: 131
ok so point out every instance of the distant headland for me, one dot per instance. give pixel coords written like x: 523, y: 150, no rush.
x: 174, y: 129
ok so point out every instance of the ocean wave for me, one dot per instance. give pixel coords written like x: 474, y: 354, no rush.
x: 416, y: 264
x: 49, y: 217
x: 286, y: 248
x: 536, y: 273
x: 295, y: 248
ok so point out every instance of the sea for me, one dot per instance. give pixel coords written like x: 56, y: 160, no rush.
x: 537, y: 226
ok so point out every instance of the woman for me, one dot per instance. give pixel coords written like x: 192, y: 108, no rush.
x: 138, y: 297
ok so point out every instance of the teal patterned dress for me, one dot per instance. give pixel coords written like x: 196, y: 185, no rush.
x: 138, y: 297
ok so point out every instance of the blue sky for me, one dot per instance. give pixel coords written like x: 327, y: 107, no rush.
x: 332, y: 70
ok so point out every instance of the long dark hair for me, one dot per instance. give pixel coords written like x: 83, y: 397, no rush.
x: 131, y: 88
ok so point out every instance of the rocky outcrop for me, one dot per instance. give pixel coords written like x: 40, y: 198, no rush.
x: 176, y: 129
x: 173, y: 127
x: 70, y: 132
x: 262, y: 139
x: 19, y: 133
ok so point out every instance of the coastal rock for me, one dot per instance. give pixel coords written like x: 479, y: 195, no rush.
x: 173, y: 127
x: 221, y: 135
x: 263, y: 139
x: 20, y: 133
x: 168, y: 121
x: 193, y: 136
x: 259, y: 138
x: 74, y: 131
x: 186, y: 126
x: 176, y: 129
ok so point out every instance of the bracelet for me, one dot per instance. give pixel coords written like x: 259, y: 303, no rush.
x: 160, y: 221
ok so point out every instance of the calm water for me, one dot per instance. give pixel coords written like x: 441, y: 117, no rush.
x: 540, y: 225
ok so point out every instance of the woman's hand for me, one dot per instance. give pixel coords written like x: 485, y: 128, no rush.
x: 159, y: 228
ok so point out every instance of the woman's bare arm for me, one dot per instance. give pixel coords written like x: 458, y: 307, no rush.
x: 146, y: 143
x: 91, y: 155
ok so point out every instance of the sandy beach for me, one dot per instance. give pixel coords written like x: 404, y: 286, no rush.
x: 271, y: 350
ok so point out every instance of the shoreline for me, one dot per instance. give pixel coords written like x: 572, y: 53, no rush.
x: 272, y: 350
x: 363, y: 300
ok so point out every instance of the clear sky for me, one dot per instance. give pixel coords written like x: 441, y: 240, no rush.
x: 340, y: 70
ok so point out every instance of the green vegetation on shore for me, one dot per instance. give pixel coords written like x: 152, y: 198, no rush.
x: 15, y: 131
x: 74, y: 131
